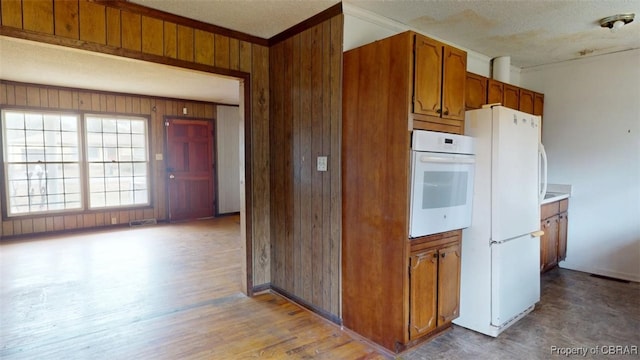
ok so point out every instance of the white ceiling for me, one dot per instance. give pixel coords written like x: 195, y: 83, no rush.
x: 533, y: 32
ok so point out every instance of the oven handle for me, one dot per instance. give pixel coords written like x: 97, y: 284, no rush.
x: 450, y: 160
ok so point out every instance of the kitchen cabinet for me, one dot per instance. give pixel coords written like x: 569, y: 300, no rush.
x: 434, y: 277
x: 495, y: 92
x: 438, y: 84
x: 511, y: 97
x: 538, y: 104
x: 553, y: 244
x: 475, y: 91
x: 526, y: 101
x: 378, y: 115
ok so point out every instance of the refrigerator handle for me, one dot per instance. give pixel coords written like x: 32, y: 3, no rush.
x: 543, y: 170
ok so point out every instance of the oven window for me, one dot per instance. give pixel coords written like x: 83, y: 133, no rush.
x: 443, y: 189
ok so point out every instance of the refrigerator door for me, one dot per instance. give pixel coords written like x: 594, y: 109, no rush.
x: 515, y: 277
x: 514, y: 187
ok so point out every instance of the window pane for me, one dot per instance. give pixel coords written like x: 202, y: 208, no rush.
x: 69, y: 123
x: 96, y: 185
x: 94, y: 124
x: 112, y: 184
x: 17, y: 172
x: 33, y: 122
x: 14, y: 120
x: 94, y: 139
x: 52, y: 138
x: 108, y: 125
x: 16, y: 137
x: 124, y: 154
x: 124, y: 126
x: 138, y: 127
x: 94, y: 154
x: 140, y: 169
x: 52, y: 122
x: 97, y: 199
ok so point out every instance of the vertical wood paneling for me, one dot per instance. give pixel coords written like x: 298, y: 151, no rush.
x: 66, y: 20
x: 131, y: 31
x: 260, y: 166
x: 114, y: 30
x: 33, y: 96
x: 234, y: 54
x: 152, y: 36
x: 204, y: 47
x: 305, y: 110
x: 21, y: 95
x: 170, y: 40
x: 335, y: 163
x: 222, y: 51
x: 11, y: 13
x: 37, y: 15
x: 185, y: 43
x: 92, y: 22
x: 44, y: 98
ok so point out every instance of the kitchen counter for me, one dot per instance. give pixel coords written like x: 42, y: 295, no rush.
x: 556, y: 192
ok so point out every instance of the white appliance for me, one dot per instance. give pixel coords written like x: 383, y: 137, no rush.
x: 500, y: 275
x: 442, y: 172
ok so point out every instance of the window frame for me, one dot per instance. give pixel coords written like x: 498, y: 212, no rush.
x: 82, y: 161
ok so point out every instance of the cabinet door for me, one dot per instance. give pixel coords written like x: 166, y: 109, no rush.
x: 453, y: 84
x: 423, y: 295
x: 495, y: 92
x: 448, y: 283
x: 550, y: 243
x: 562, y: 236
x: 427, y: 85
x: 475, y: 91
x: 526, y: 101
x: 538, y: 104
x: 511, y: 97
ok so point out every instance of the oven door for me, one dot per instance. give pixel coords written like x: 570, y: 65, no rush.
x: 441, y: 192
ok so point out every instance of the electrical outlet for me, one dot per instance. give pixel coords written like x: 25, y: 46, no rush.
x: 322, y: 163
x: 114, y: 221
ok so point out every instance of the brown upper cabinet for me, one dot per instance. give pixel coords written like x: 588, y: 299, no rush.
x: 526, y: 101
x: 476, y: 91
x: 511, y: 97
x: 439, y: 79
x: 538, y: 103
x: 498, y: 92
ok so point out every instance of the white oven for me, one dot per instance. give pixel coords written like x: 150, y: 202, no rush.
x: 442, y: 169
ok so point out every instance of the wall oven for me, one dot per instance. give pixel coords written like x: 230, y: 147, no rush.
x: 442, y: 170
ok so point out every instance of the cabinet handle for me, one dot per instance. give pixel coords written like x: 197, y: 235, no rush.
x: 446, y: 112
x: 443, y: 254
x: 435, y: 255
x: 439, y: 111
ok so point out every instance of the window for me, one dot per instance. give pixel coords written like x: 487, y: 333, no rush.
x: 51, y: 167
x: 117, y: 158
x: 42, y: 167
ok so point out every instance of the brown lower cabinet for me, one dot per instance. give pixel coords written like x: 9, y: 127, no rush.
x: 434, y: 283
x: 553, y: 244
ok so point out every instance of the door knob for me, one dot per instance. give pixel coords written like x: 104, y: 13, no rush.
x: 172, y: 176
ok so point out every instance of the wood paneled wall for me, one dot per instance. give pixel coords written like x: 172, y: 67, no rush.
x: 125, y: 29
x: 306, y: 105
x: 155, y: 109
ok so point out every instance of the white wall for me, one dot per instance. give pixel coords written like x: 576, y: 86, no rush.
x: 591, y: 131
x: 228, y: 158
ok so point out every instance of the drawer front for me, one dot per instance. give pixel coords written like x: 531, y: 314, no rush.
x: 550, y: 209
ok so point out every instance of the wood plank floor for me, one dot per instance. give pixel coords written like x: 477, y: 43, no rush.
x: 172, y: 292
x: 152, y: 292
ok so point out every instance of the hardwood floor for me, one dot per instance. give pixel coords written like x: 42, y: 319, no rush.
x: 156, y: 292
x: 172, y: 292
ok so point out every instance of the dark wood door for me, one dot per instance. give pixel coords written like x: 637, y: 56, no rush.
x: 190, y: 169
x: 448, y: 283
x: 423, y: 292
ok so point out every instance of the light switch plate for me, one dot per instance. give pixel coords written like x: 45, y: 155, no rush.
x: 158, y: 157
x: 322, y: 163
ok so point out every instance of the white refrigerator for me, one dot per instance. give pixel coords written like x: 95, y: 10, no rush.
x: 500, y: 275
